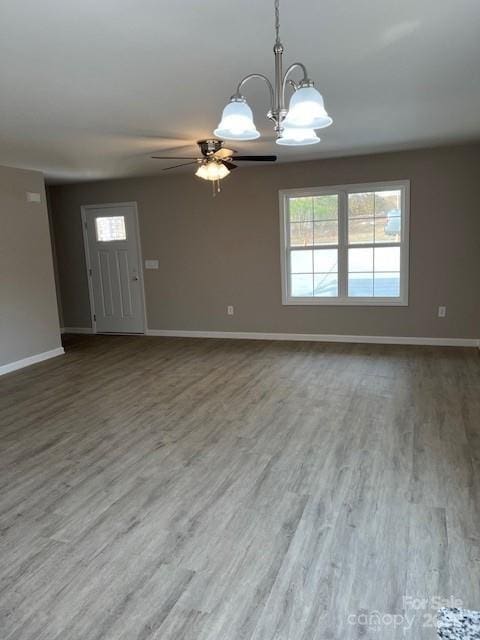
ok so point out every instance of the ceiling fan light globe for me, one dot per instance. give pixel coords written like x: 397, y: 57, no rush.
x: 296, y: 137
x: 307, y: 110
x: 212, y: 171
x: 237, y: 122
x: 201, y: 172
x: 217, y: 171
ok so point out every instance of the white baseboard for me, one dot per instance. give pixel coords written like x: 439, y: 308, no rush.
x: 76, y: 330
x: 26, y: 362
x: 317, y: 337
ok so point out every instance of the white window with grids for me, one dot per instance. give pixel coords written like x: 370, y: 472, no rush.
x: 345, y: 244
x: 110, y: 229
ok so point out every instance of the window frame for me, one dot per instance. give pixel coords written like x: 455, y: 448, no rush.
x: 342, y: 191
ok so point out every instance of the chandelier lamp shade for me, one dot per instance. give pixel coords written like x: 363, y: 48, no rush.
x: 293, y: 137
x: 306, y: 110
x: 237, y: 120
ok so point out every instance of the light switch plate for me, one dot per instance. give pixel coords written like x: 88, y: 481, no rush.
x: 151, y: 264
x: 33, y: 197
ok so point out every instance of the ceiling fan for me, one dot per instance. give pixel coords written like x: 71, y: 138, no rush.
x: 215, y: 161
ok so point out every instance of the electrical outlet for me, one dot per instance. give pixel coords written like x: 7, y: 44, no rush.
x: 442, y: 312
x: 230, y: 310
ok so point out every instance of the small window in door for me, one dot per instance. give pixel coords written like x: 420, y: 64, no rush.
x: 110, y: 229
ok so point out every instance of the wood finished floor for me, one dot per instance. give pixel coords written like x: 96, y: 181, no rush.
x: 230, y: 490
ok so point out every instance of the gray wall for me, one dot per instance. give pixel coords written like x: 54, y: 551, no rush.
x: 55, y: 259
x: 28, y: 305
x: 215, y: 252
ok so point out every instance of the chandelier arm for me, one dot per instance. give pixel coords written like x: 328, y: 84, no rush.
x: 242, y: 82
x: 292, y: 67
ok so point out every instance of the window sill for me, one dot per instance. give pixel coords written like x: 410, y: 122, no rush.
x: 346, y: 302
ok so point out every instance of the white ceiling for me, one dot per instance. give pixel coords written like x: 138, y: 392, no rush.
x: 90, y: 89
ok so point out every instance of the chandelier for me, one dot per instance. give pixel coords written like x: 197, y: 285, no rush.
x: 294, y: 126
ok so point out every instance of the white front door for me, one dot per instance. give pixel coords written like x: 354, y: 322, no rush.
x: 114, y: 268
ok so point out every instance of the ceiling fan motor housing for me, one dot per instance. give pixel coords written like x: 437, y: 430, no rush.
x: 210, y: 146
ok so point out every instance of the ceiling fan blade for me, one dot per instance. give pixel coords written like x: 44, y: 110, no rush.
x: 173, y: 158
x: 223, y: 153
x: 175, y: 166
x: 255, y: 158
x: 230, y: 166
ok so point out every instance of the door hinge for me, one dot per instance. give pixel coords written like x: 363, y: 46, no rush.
x: 95, y: 317
x: 90, y: 272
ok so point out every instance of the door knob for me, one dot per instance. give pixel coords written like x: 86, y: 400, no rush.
x: 135, y: 278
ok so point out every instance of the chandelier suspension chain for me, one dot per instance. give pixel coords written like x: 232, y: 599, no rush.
x: 277, y: 21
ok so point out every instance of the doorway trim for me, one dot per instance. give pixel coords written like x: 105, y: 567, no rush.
x: 88, y: 271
